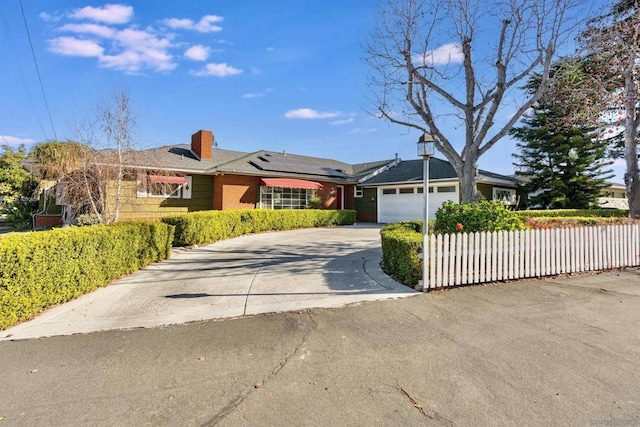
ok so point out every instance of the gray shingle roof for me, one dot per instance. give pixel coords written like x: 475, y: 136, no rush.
x: 411, y: 171
x: 181, y: 158
x: 260, y: 163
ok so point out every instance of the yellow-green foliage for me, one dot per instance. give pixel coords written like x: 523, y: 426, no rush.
x: 401, y: 244
x: 210, y: 226
x: 558, y: 213
x: 41, y: 269
x: 575, y: 221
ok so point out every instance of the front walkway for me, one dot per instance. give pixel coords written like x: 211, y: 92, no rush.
x: 271, y: 272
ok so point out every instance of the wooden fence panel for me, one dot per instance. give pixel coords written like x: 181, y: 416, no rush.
x: 459, y: 259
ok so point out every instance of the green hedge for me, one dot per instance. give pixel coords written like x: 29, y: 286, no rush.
x: 560, y: 213
x: 210, y: 226
x: 401, y: 244
x: 41, y: 269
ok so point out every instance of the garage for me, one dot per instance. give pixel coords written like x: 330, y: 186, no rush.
x: 402, y: 203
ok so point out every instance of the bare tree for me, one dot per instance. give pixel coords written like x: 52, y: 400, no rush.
x: 605, y: 91
x: 90, y: 173
x: 454, y: 68
x: 117, y: 123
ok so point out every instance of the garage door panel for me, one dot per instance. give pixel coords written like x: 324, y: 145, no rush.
x: 406, y: 207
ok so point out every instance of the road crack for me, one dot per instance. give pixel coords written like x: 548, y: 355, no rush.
x: 231, y: 406
x: 435, y: 416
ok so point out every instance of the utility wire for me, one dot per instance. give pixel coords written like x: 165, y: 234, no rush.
x: 20, y: 69
x: 37, y: 70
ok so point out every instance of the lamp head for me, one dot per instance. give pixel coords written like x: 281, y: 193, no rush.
x: 426, y: 145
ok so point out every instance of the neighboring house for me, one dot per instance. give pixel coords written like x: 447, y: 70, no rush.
x: 614, y: 196
x: 187, y: 178
x: 396, y: 193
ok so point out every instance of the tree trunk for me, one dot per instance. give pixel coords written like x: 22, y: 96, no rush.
x: 632, y: 174
x: 468, y: 188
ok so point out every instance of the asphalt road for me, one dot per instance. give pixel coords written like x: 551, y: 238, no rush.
x: 561, y: 351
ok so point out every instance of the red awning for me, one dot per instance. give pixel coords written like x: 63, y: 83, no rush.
x: 168, y: 179
x: 290, y: 183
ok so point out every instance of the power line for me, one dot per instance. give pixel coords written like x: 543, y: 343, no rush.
x: 20, y: 70
x: 33, y: 54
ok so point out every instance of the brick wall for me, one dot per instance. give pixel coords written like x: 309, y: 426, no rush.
x: 46, y: 220
x: 349, y: 191
x: 235, y: 192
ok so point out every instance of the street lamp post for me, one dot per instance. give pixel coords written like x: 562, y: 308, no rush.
x: 426, y: 149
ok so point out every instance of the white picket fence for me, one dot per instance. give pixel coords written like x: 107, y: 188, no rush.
x: 463, y: 259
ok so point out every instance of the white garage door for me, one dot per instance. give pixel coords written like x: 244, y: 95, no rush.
x: 405, y: 203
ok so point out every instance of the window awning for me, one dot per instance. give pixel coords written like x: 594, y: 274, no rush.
x: 168, y: 179
x: 290, y: 183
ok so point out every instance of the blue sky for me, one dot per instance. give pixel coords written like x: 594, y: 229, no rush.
x: 275, y: 75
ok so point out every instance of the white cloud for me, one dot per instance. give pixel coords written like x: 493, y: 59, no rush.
x: 205, y: 25
x: 94, y: 29
x: 307, y: 113
x: 70, y: 46
x: 445, y: 54
x: 48, y: 18
x: 14, y: 140
x: 270, y: 49
x: 257, y: 94
x: 127, y: 50
x: 217, y: 70
x: 197, y: 53
x: 342, y: 122
x: 109, y: 14
x: 360, y: 131
x: 132, y: 48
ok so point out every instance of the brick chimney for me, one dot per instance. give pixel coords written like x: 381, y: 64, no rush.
x: 202, y: 144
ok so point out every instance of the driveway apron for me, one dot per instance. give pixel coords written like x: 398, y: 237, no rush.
x: 271, y: 272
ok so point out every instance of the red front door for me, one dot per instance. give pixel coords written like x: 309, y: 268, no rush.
x: 339, y: 197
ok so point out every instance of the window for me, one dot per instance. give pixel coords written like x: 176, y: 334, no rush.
x: 359, y: 192
x: 164, y: 189
x: 505, y: 195
x: 420, y: 190
x: 447, y: 189
x: 284, y: 198
x: 388, y: 191
x: 171, y: 187
x: 406, y: 190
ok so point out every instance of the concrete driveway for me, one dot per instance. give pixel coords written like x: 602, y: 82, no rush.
x: 272, y: 272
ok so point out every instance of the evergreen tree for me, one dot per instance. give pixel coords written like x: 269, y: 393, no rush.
x: 564, y: 163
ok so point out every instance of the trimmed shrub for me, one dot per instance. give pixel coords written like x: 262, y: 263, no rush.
x: 41, y: 269
x: 210, y: 226
x: 401, y: 244
x: 473, y: 217
x: 558, y: 213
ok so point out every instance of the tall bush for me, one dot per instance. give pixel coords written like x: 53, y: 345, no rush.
x: 477, y: 216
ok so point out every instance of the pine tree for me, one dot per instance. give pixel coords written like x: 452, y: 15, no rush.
x: 563, y: 163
